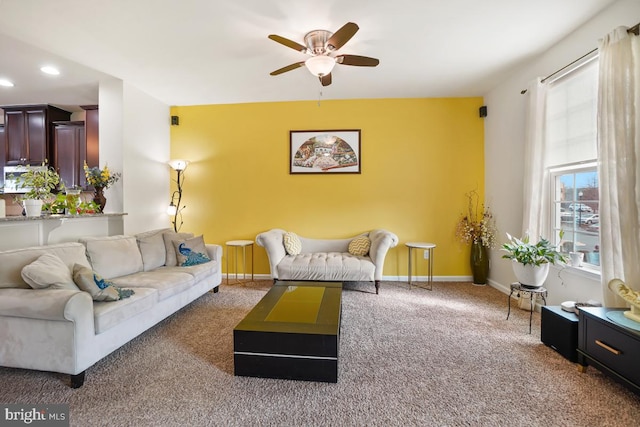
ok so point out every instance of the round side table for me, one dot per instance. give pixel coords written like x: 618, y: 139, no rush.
x: 240, y: 244
x: 427, y: 247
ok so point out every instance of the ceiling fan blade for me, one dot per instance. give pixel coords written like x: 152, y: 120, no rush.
x: 359, y: 61
x: 287, y: 68
x: 343, y: 35
x: 325, y: 80
x: 288, y: 43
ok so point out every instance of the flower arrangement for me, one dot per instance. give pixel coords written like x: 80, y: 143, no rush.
x: 98, y: 178
x: 478, y: 225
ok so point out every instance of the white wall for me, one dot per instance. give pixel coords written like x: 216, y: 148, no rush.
x: 110, y: 119
x: 146, y: 153
x: 504, y: 150
x: 134, y: 140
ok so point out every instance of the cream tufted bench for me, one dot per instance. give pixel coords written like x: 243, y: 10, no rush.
x: 327, y: 259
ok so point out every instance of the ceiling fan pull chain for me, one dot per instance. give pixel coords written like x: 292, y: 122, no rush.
x: 319, y: 97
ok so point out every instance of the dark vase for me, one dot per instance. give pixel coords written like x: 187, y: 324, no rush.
x: 99, y: 198
x: 479, y: 263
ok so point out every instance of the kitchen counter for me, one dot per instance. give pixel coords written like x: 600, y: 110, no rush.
x: 21, y: 231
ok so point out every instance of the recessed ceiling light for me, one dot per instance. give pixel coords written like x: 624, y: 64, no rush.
x: 5, y: 83
x: 50, y: 70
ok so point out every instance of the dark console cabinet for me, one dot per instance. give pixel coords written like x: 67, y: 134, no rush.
x: 608, y: 346
x: 559, y: 330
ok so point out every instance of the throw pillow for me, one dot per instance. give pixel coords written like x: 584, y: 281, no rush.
x: 360, y: 246
x: 152, y: 249
x: 99, y: 288
x: 292, y: 243
x: 48, y: 271
x: 113, y: 256
x: 169, y: 237
x: 191, y: 251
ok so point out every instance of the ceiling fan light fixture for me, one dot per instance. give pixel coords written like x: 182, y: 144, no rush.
x: 320, y: 65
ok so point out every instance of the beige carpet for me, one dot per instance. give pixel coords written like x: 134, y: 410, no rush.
x: 445, y: 357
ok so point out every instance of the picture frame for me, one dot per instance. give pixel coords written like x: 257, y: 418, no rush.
x: 325, y: 151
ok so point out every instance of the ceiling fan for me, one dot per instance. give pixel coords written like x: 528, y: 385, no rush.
x: 321, y: 44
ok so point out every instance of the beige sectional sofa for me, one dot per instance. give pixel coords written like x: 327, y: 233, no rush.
x: 65, y: 330
x: 327, y: 259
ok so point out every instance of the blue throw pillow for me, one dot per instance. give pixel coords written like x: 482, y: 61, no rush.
x: 191, y: 251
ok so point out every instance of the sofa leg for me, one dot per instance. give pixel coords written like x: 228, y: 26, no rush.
x: 216, y: 289
x: 377, y: 286
x: 77, y: 380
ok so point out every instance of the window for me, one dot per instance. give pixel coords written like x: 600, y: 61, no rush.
x: 571, y: 159
x: 576, y: 211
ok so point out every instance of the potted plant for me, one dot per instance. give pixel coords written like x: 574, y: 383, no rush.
x: 40, y: 181
x: 531, y: 261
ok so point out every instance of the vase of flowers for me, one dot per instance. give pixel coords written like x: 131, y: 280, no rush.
x: 100, y: 179
x: 478, y: 228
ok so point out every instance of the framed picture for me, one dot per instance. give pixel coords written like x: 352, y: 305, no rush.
x: 325, y: 151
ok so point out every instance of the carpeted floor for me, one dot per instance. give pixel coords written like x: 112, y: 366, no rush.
x: 445, y: 357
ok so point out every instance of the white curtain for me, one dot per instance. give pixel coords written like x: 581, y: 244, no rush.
x: 619, y: 153
x: 535, y: 208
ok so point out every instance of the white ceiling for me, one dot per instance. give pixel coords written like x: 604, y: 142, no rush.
x: 192, y: 52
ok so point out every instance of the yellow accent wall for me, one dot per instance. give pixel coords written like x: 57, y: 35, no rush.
x: 419, y: 157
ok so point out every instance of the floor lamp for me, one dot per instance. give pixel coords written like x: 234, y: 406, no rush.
x: 175, y: 208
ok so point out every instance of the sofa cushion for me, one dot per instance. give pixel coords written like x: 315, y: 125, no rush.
x: 99, y: 288
x: 109, y: 314
x: 113, y: 256
x: 310, y: 246
x: 168, y: 281
x: 191, y: 251
x: 292, y: 243
x: 152, y: 250
x: 329, y: 266
x: 360, y: 246
x: 48, y: 271
x: 170, y: 254
x: 12, y: 261
x: 199, y: 272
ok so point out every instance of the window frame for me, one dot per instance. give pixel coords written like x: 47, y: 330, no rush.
x: 556, y: 204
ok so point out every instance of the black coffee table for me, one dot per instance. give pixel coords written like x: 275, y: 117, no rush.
x: 292, y: 333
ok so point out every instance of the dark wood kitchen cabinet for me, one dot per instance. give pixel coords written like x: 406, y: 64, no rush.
x: 70, y: 152
x: 29, y: 133
x: 92, y: 134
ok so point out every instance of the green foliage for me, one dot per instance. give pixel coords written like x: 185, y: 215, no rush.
x: 40, y: 181
x: 89, y: 207
x: 525, y: 252
x: 57, y: 205
x: 64, y: 204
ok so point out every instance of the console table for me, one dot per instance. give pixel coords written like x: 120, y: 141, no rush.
x: 607, y: 345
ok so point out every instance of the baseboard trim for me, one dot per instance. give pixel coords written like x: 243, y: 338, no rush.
x: 384, y: 278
